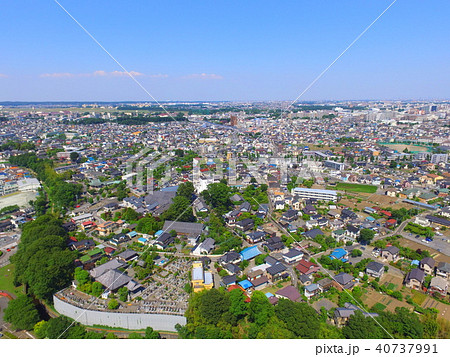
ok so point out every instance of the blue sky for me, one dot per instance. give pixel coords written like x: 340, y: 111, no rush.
x: 224, y: 50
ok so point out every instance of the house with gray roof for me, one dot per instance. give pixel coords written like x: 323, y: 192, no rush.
x: 443, y: 270
x: 342, y: 314
x: 205, y: 247
x: 375, y: 269
x: 184, y: 228
x: 438, y: 285
x: 101, y: 269
x: 391, y: 253
x: 415, y: 278
x: 427, y: 265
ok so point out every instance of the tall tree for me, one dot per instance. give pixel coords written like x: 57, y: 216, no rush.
x: 22, y: 313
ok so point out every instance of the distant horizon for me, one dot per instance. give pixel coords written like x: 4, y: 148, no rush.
x: 27, y: 102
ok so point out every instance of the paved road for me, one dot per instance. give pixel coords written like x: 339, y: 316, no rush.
x: 4, y: 259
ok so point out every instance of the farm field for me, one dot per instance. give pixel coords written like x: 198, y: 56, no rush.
x: 354, y: 187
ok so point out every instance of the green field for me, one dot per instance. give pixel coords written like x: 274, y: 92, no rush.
x: 354, y: 187
x: 392, y: 286
x: 6, y: 280
x: 418, y: 297
x: 378, y: 306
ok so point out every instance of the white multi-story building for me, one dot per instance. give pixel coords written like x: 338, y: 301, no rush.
x: 312, y: 193
x: 437, y: 158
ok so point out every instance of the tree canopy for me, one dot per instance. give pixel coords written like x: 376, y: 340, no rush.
x: 22, y: 313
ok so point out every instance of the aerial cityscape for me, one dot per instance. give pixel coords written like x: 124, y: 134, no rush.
x: 247, y: 218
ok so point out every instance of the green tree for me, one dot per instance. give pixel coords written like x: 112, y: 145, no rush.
x: 40, y: 329
x: 213, y: 303
x: 180, y: 210
x: 82, y: 276
x: 186, y: 189
x: 123, y: 294
x: 356, y: 253
x: 300, y: 318
x: 74, y: 156
x: 22, y: 313
x: 111, y: 336
x: 366, y: 235
x: 260, y: 309
x: 360, y: 327
x: 218, y: 196
x: 238, y: 305
x: 135, y: 336
x: 97, y: 288
x: 151, y: 334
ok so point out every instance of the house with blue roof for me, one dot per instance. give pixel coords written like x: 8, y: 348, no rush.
x: 340, y: 254
x: 142, y: 240
x: 250, y: 253
x: 132, y: 234
x: 245, y: 284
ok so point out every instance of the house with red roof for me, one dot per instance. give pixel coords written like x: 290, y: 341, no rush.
x: 306, y: 268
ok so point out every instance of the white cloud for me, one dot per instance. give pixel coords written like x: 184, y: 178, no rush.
x: 57, y: 75
x: 159, y: 75
x: 99, y: 73
x: 3, y: 75
x: 203, y: 76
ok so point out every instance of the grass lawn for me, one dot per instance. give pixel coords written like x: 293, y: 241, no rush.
x: 354, y: 187
x: 274, y: 288
x: 6, y: 280
x: 418, y: 297
x: 378, y: 306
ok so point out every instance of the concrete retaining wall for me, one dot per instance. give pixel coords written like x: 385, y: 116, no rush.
x: 118, y: 319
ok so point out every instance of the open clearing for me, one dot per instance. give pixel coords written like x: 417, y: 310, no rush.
x: 354, y: 187
x: 6, y: 280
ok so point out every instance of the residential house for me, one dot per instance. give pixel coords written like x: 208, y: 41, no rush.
x: 438, y: 285
x: 391, y: 253
x: 245, y: 225
x: 307, y: 268
x: 415, y: 278
x: 292, y: 256
x: 351, y: 233
x: 255, y: 237
x: 312, y: 290
x: 274, y: 244
x: 276, y: 272
x: 250, y: 253
x: 427, y: 265
x: 205, y: 247
x: 443, y: 270
x: 313, y: 233
x: 260, y: 283
x: 289, y: 292
x: 164, y: 240
x: 375, y: 269
x: 201, y: 279
x: 345, y: 280
x: 230, y: 257
x: 342, y: 314
x: 289, y: 216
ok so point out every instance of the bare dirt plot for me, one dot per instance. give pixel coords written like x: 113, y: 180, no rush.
x: 392, y: 279
x: 444, y: 310
x: 373, y: 297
